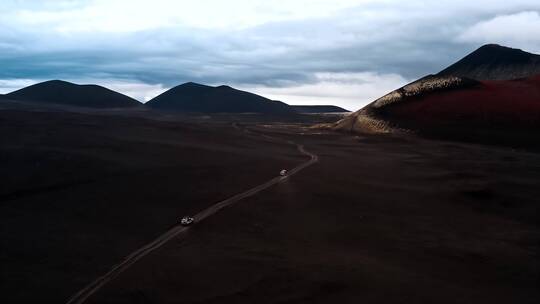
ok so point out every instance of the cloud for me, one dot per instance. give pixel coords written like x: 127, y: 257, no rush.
x: 520, y: 30
x: 140, y: 91
x: 10, y: 85
x: 350, y: 90
x: 136, y: 15
x: 281, y: 47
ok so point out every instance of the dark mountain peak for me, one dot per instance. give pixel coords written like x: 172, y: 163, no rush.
x: 67, y: 93
x: 56, y: 81
x: 192, y: 84
x: 494, y: 47
x: 495, y: 62
x: 495, y: 52
x: 62, y: 84
x: 198, y: 98
x: 59, y: 84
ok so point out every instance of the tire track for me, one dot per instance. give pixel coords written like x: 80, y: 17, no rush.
x: 92, y: 288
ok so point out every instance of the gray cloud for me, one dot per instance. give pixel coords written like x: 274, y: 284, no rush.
x: 386, y: 38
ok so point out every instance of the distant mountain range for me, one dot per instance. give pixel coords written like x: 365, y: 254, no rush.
x: 463, y: 102
x: 194, y: 97
x: 187, y: 98
x: 318, y: 109
x: 66, y: 93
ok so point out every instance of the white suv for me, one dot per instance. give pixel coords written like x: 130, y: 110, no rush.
x: 187, y: 220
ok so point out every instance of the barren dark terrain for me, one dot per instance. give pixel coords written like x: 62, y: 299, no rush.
x: 379, y: 219
x: 81, y: 191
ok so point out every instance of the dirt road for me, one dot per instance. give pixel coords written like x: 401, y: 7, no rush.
x: 179, y: 231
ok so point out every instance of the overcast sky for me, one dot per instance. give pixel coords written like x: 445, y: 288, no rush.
x: 344, y: 52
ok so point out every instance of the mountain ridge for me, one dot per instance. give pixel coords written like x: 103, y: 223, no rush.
x: 195, y: 97
x: 67, y: 93
x: 447, y: 106
x: 495, y: 62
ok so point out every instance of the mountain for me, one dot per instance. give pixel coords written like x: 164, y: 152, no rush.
x: 492, y: 96
x: 491, y: 111
x: 62, y: 92
x: 377, y: 117
x: 194, y: 97
x: 495, y: 62
x: 319, y: 109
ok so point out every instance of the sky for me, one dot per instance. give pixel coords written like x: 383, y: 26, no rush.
x: 342, y: 52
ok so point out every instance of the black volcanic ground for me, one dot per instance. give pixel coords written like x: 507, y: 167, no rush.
x: 378, y: 219
x: 198, y: 98
x: 86, y: 189
x: 66, y: 93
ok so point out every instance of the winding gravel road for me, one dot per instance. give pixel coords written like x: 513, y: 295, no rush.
x: 85, y: 293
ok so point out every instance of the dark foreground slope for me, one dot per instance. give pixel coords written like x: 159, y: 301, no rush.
x: 319, y: 109
x: 66, y: 93
x: 495, y: 62
x: 81, y: 191
x: 501, y: 112
x: 194, y: 97
x: 377, y: 220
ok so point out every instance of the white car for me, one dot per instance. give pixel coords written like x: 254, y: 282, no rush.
x: 187, y: 220
x: 283, y: 172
